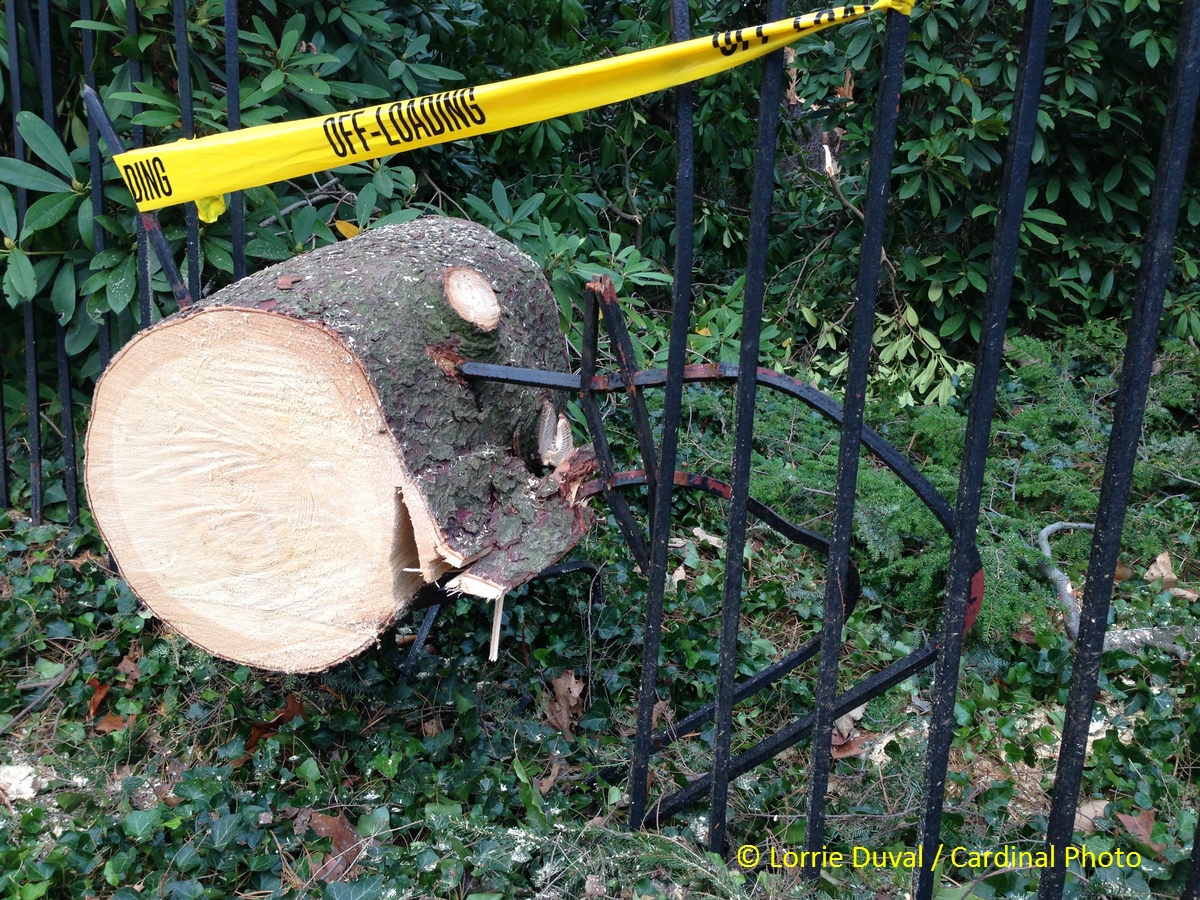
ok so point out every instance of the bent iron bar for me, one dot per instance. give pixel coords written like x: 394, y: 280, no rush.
x: 660, y: 516
x: 1122, y: 446
x: 979, y: 428
x: 147, y: 222
x: 879, y: 176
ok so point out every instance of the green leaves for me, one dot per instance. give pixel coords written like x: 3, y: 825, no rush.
x: 42, y: 140
x: 24, y: 175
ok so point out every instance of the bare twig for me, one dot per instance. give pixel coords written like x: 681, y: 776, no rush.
x: 1062, y: 584
x: 1129, y: 640
x: 831, y: 170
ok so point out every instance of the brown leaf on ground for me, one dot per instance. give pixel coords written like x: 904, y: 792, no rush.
x: 850, y: 747
x: 662, y: 711
x: 99, y: 692
x: 288, y: 282
x: 1141, y: 826
x: 1087, y: 814
x: 432, y: 726
x: 347, y: 845
x: 565, y: 705
x: 678, y: 575
x: 846, y: 725
x: 1123, y: 573
x: 558, y: 766
x: 130, y: 670
x: 1161, y: 568
x: 260, y: 731
x: 113, y: 722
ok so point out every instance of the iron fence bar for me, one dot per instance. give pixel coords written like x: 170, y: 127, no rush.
x: 148, y: 221
x: 1191, y: 888
x: 233, y: 117
x: 96, y: 168
x: 1122, y: 446
x: 27, y: 312
x: 879, y: 176
x: 660, y: 510
x: 772, y: 746
x: 139, y: 140
x: 70, y: 464
x: 770, y: 97
x: 591, y: 412
x: 188, y: 121
x: 785, y: 384
x: 621, y: 346
x: 1018, y: 155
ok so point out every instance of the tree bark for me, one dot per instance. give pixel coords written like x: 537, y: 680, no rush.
x: 280, y: 468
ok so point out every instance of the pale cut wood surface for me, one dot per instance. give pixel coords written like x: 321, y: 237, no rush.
x: 247, y: 482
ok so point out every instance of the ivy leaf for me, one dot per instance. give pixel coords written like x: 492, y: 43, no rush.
x: 139, y: 825
x: 360, y: 889
x: 45, y: 143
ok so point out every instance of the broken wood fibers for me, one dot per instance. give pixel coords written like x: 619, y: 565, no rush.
x: 280, y: 468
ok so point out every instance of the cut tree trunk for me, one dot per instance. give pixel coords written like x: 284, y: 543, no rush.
x: 280, y: 468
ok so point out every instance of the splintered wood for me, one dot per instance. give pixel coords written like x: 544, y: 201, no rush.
x: 279, y: 470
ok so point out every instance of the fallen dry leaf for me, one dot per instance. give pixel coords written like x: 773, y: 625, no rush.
x: 1185, y: 594
x: 845, y: 725
x: 288, y: 282
x: 347, y: 845
x: 1025, y: 636
x: 662, y: 710
x: 1161, y: 568
x: 705, y: 538
x: 1141, y: 826
x: 677, y: 576
x: 99, y: 692
x: 113, y: 722
x: 844, y: 748
x: 1123, y: 573
x: 260, y: 731
x: 1087, y: 814
x: 346, y: 229
x: 565, y: 706
x: 558, y: 766
x: 130, y: 671
x: 432, y: 726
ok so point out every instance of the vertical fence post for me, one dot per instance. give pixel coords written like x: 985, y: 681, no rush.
x: 139, y: 140
x: 660, y: 525
x: 1122, y: 445
x: 770, y: 95
x: 233, y: 115
x: 1191, y: 888
x: 31, y: 386
x: 70, y: 467
x: 879, y: 177
x: 188, y: 121
x: 1003, y: 264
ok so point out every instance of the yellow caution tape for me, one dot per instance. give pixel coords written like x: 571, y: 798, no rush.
x: 205, y: 168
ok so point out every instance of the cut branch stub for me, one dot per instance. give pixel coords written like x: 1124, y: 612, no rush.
x: 279, y: 469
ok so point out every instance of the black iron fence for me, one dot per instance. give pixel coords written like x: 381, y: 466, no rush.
x: 964, y: 581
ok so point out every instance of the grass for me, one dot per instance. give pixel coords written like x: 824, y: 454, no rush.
x: 165, y: 772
